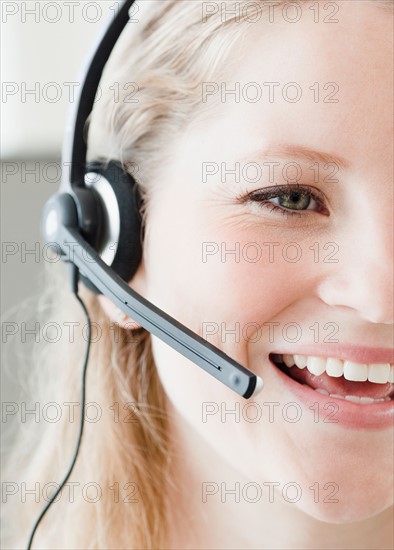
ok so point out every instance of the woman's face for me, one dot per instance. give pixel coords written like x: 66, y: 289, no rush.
x: 225, y: 267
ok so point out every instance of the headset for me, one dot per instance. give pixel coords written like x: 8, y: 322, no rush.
x: 94, y: 224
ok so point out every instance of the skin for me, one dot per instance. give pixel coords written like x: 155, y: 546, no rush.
x: 356, y: 292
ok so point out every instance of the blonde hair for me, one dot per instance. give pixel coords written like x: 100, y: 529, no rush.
x: 169, y: 53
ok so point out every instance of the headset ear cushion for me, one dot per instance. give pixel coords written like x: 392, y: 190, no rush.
x: 129, y: 248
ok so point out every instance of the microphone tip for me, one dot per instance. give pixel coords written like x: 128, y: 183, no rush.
x: 259, y: 385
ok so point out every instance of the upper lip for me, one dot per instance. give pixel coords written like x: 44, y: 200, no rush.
x: 349, y: 352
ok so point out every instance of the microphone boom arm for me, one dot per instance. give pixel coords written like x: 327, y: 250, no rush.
x: 156, y: 321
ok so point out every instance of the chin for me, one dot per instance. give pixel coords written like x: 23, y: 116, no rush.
x: 350, y: 508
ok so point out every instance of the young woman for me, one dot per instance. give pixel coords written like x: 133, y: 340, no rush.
x: 262, y: 143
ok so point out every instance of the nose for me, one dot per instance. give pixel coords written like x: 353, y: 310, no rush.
x: 363, y: 278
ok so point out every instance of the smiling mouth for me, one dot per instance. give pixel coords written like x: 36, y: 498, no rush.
x: 360, y: 383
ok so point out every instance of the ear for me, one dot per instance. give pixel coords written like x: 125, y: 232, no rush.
x: 138, y: 283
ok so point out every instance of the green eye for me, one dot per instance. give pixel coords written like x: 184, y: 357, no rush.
x: 296, y: 200
x: 288, y: 199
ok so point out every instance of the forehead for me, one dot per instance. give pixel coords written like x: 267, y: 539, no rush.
x: 341, y: 73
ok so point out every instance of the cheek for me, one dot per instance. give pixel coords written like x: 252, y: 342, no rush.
x: 222, y: 297
x: 218, y: 290
x: 218, y: 274
x: 223, y: 282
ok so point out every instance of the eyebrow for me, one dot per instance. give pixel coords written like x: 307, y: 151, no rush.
x: 303, y: 153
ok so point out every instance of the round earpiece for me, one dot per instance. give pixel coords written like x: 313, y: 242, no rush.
x: 58, y: 210
x: 120, y: 243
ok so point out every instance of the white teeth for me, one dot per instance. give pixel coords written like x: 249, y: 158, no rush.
x: 300, y: 361
x: 353, y: 398
x: 334, y: 367
x: 379, y: 373
x: 358, y: 399
x: 316, y: 365
x: 288, y: 360
x: 365, y: 400
x: 357, y: 372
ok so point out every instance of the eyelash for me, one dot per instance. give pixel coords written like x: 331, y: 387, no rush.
x: 262, y: 197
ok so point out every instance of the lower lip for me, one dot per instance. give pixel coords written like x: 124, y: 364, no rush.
x: 341, y: 412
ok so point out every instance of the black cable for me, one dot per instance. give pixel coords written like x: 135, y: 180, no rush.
x: 74, y: 286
